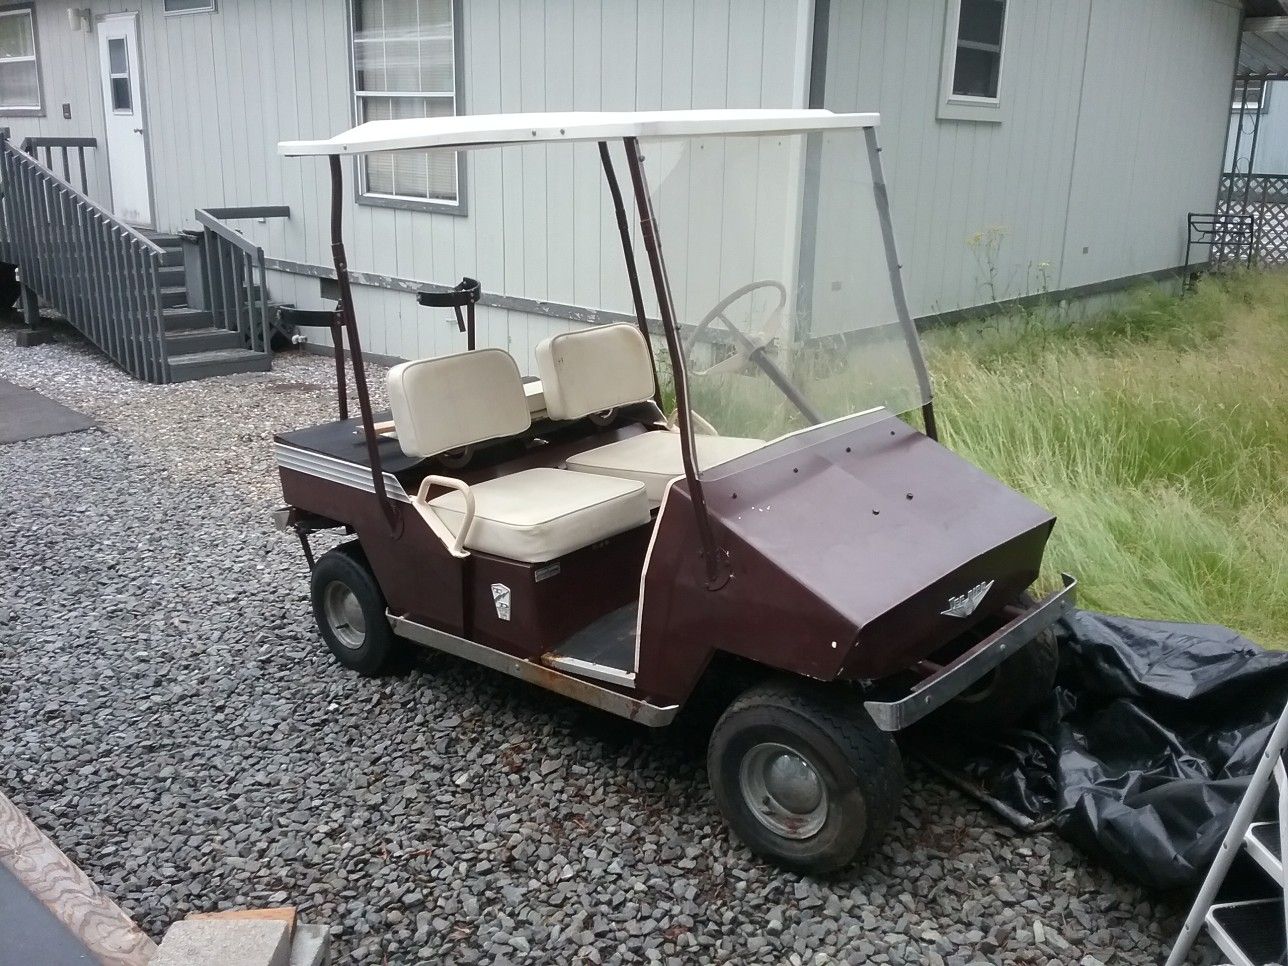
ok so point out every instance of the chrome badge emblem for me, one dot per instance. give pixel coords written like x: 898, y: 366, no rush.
x: 501, y: 598
x: 964, y: 605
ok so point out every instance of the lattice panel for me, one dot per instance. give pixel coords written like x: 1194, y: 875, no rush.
x: 1267, y: 200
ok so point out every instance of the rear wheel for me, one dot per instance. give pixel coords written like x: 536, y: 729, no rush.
x: 804, y: 778
x: 1017, y: 685
x: 350, y: 611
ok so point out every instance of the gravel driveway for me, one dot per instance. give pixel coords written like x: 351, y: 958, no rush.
x: 170, y: 718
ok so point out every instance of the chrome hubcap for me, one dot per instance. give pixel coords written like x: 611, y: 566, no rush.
x: 344, y: 615
x: 783, y: 790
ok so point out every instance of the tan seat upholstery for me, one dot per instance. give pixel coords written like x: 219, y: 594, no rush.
x: 654, y: 458
x: 450, y: 402
x: 540, y: 514
x: 444, y: 404
x: 594, y: 370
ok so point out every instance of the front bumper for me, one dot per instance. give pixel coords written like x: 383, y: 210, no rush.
x: 949, y: 681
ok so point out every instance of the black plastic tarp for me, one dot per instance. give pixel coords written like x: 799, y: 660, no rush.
x: 1144, y: 749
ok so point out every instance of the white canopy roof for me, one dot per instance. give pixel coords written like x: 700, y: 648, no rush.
x: 493, y: 129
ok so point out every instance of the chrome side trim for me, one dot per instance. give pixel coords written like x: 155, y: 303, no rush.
x: 942, y: 686
x: 600, y: 672
x: 549, y: 678
x: 335, y: 470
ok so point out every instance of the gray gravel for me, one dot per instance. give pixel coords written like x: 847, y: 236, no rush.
x: 169, y: 716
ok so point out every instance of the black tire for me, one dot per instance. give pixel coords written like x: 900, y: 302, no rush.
x: 350, y: 611
x: 857, y: 765
x: 1005, y: 695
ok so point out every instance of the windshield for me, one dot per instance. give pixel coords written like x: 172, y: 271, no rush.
x: 783, y: 293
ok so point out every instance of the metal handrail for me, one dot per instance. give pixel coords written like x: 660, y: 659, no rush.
x: 230, y: 266
x: 102, y: 275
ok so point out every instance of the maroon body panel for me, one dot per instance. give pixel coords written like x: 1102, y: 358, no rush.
x: 845, y: 544
x: 549, y: 602
x: 416, y: 573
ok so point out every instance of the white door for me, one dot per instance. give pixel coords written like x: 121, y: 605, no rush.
x: 127, y: 154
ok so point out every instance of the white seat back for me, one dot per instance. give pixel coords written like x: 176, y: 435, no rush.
x: 448, y: 402
x: 594, y: 370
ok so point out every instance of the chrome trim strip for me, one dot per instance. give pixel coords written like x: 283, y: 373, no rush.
x: 945, y: 685
x: 549, y: 678
x: 600, y: 672
x: 335, y: 470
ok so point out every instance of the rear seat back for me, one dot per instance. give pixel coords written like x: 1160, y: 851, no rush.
x: 449, y: 402
x: 594, y: 370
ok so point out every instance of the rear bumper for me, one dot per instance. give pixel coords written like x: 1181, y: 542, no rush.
x: 951, y: 680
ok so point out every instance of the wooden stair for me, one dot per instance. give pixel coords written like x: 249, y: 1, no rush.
x: 195, y: 347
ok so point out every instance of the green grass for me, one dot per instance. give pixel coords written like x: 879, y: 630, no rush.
x: 1158, y: 435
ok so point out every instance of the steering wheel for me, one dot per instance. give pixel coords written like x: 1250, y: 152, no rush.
x: 746, y: 344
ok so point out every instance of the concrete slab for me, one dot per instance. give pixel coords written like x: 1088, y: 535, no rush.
x: 30, y: 933
x: 311, y: 946
x: 225, y: 942
x: 26, y: 414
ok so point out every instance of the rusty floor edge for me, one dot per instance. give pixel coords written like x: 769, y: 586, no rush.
x: 88, y: 913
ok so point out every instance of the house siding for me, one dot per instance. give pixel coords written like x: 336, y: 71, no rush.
x: 1114, y: 117
x: 1113, y: 120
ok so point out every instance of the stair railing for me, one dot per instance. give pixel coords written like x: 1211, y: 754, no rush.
x: 99, y: 273
x: 234, y: 277
x: 65, y: 145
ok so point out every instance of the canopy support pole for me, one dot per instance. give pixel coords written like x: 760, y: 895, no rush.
x: 896, y: 284
x: 717, y: 570
x: 632, y: 272
x: 345, y: 309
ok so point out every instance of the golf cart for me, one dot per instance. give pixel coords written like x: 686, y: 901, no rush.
x: 711, y: 482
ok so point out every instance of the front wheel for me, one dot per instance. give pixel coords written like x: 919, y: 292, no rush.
x: 350, y: 611
x: 804, y: 778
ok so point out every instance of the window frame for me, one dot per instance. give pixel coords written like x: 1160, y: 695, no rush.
x: 211, y: 6
x: 127, y: 76
x: 967, y: 107
x: 14, y: 10
x: 1262, y: 103
x: 380, y: 200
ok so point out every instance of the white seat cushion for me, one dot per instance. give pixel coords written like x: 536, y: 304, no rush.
x: 543, y: 513
x: 654, y: 458
x: 453, y: 401
x: 594, y: 370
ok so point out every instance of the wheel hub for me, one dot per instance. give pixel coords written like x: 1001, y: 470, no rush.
x: 344, y: 615
x: 783, y: 790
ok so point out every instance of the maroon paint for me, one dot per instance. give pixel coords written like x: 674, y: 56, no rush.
x: 821, y: 585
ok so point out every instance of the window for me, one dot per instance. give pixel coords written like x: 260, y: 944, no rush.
x: 19, y: 73
x: 404, y: 65
x: 189, y: 6
x: 971, y: 74
x: 1250, y: 97
x: 118, y: 58
x: 977, y: 61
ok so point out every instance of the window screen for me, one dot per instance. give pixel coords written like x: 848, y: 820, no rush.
x: 977, y: 62
x: 404, y: 65
x: 19, y: 81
